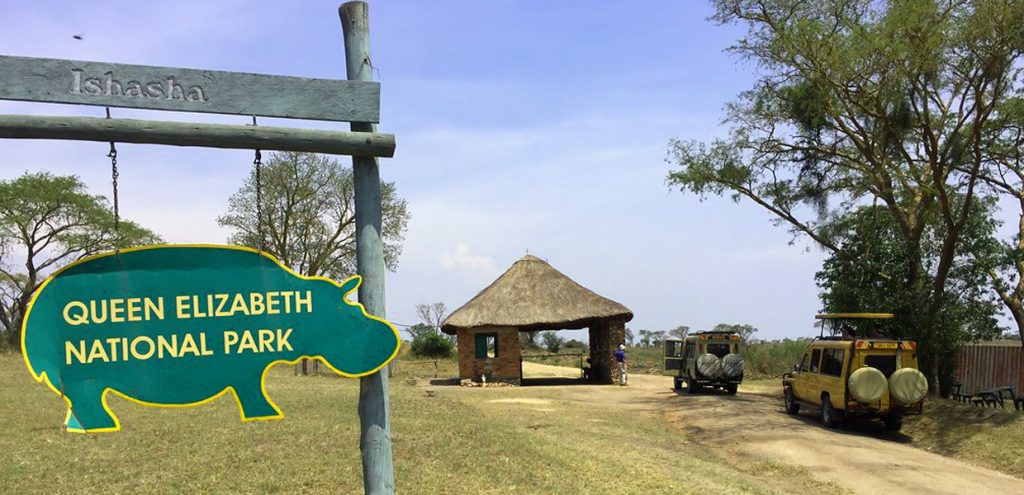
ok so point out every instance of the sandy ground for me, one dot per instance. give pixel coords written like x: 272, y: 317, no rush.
x: 861, y: 458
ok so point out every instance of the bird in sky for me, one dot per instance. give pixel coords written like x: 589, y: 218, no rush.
x: 79, y: 36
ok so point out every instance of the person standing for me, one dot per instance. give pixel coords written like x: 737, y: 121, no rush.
x: 620, y: 358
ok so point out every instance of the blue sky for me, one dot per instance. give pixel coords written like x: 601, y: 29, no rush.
x: 527, y: 126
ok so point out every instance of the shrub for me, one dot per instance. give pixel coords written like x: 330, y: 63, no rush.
x: 432, y: 345
x: 552, y: 342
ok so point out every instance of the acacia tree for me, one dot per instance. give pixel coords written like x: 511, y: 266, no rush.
x: 865, y: 101
x: 309, y: 215
x: 746, y: 332
x: 679, y: 332
x: 46, y: 222
x: 1004, y: 175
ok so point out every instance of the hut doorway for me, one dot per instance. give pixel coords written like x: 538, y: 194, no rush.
x: 569, y: 361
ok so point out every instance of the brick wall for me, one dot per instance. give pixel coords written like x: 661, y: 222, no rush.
x: 505, y: 366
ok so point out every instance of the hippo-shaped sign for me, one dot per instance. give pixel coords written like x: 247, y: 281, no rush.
x: 181, y: 325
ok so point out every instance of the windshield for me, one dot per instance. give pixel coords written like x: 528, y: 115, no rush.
x: 720, y: 350
x: 886, y: 363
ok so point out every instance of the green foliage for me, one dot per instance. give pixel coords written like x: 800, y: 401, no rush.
x: 309, y: 215
x: 49, y: 221
x: 432, y: 345
x: 576, y: 345
x: 773, y: 358
x: 552, y: 341
x: 894, y: 102
x: 420, y: 329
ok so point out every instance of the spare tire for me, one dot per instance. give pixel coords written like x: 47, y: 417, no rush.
x: 908, y: 386
x: 867, y: 384
x: 732, y: 366
x: 709, y: 366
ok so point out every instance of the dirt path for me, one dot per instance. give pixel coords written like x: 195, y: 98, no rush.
x: 861, y: 458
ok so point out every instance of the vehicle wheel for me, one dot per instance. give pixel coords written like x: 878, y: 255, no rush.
x: 792, y: 406
x: 893, y: 423
x: 691, y: 386
x: 731, y: 389
x: 678, y: 383
x: 829, y: 415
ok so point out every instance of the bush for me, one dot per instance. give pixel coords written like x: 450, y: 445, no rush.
x: 432, y: 345
x: 552, y: 342
x: 773, y: 358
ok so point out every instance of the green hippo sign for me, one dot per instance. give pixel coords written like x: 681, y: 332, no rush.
x: 181, y: 325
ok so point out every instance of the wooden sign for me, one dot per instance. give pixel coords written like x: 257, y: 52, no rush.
x: 187, y: 90
x: 181, y: 325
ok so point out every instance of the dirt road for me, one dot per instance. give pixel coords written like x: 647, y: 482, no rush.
x: 861, y: 458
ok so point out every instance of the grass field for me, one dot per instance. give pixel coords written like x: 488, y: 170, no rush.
x: 458, y: 441
x: 454, y: 440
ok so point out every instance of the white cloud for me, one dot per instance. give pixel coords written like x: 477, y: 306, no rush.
x: 464, y: 260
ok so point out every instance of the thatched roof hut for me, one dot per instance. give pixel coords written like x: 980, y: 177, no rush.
x: 530, y: 296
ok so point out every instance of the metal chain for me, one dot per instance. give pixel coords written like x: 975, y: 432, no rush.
x: 113, y: 175
x: 258, y: 163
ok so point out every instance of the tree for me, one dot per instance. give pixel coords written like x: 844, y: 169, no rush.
x: 432, y: 345
x: 874, y: 281
x: 528, y: 340
x: 746, y: 332
x: 629, y: 337
x: 866, y: 101
x: 679, y: 332
x: 552, y: 341
x: 309, y: 215
x: 1004, y: 175
x: 433, y: 315
x: 645, y: 337
x: 46, y: 222
x: 657, y: 337
x: 420, y: 329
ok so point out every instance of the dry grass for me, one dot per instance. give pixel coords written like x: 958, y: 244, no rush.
x: 993, y: 438
x: 458, y: 440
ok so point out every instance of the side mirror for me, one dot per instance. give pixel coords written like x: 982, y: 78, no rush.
x: 796, y: 367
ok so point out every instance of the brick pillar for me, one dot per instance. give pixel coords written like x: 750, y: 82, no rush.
x: 605, y: 337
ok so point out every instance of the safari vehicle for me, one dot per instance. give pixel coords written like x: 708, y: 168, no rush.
x: 856, y: 373
x: 705, y: 359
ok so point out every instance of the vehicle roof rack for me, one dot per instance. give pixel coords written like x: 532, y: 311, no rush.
x: 857, y: 316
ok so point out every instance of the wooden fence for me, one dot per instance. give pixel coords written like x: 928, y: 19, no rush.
x: 987, y: 365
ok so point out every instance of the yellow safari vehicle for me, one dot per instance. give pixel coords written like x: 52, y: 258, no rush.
x: 845, y: 375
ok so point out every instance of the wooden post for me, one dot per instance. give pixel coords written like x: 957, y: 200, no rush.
x: 374, y: 414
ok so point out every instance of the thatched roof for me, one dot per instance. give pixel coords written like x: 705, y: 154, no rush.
x: 531, y: 295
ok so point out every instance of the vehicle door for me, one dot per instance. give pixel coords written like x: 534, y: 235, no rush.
x: 805, y: 381
x: 830, y: 377
x: 689, y: 360
x: 673, y: 356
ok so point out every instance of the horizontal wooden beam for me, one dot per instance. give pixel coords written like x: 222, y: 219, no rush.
x: 187, y: 90
x: 190, y: 134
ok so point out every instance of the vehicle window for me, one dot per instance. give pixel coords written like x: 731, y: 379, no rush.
x: 815, y: 360
x: 720, y: 350
x: 832, y: 362
x: 688, y: 352
x: 804, y: 365
x: 885, y: 363
x: 673, y: 349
